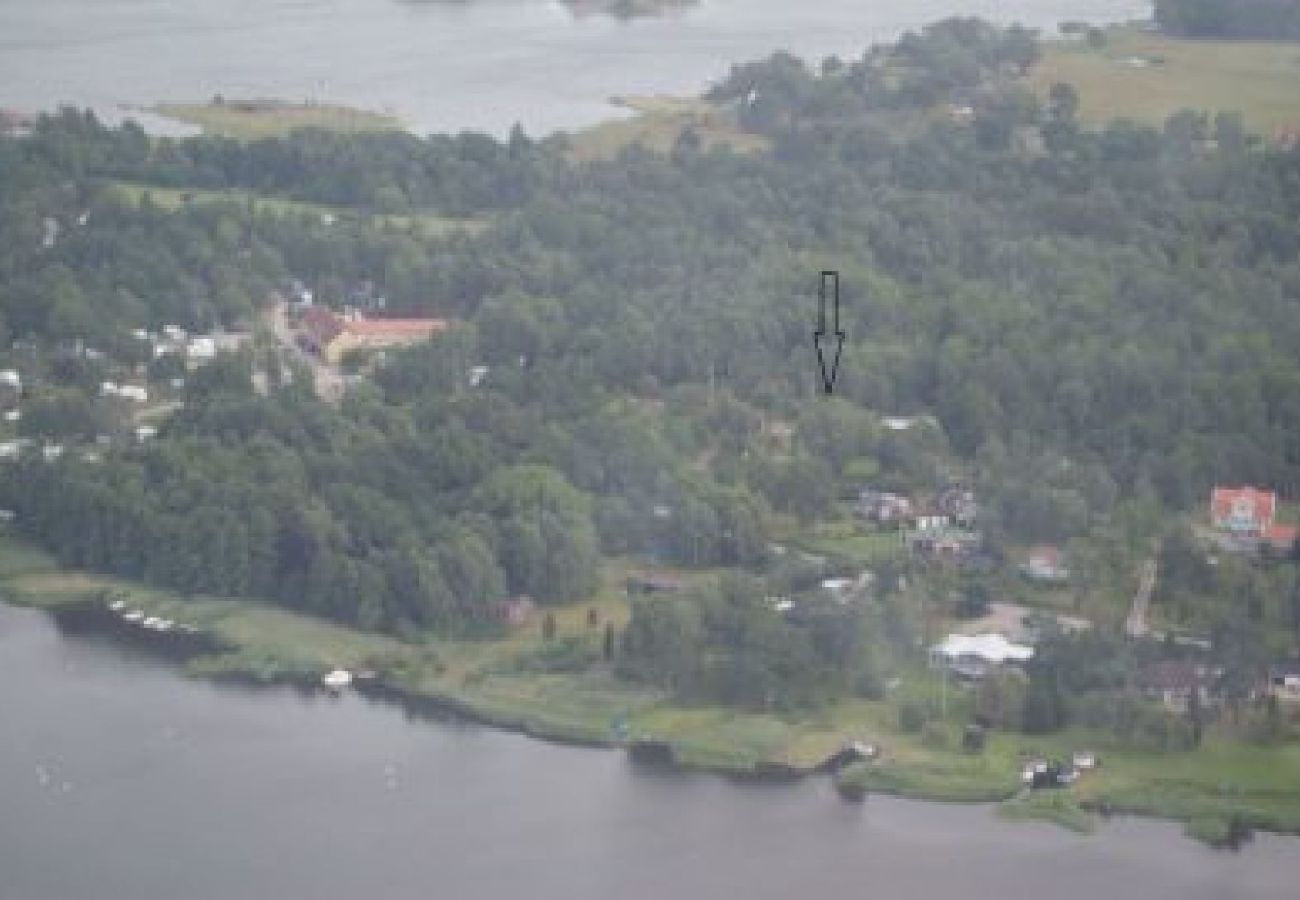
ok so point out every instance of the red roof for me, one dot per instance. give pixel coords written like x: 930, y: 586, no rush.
x: 1045, y: 554
x: 1283, y: 535
x: 395, y: 327
x: 1258, y: 506
x: 321, y: 325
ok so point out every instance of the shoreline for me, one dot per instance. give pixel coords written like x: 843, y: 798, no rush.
x: 853, y: 782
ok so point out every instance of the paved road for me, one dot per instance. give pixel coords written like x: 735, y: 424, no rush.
x: 328, y: 380
x: 1136, y: 625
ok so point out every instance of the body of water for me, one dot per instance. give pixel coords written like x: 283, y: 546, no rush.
x: 121, y: 779
x: 441, y: 65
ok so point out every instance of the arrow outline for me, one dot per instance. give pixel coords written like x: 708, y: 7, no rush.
x: 828, y: 276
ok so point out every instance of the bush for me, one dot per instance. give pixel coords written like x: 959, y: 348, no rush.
x: 911, y: 717
x: 572, y: 653
x: 934, y: 736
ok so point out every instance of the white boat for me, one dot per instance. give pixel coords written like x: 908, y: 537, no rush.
x: 337, y: 679
x: 165, y: 625
x: 153, y: 623
x: 117, y: 605
x: 134, y: 616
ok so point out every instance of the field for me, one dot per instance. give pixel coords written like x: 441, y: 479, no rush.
x: 1146, y: 77
x: 426, y: 224
x: 262, y: 119
x: 657, y: 124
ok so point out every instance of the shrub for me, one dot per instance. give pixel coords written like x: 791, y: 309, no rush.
x: 934, y: 736
x: 911, y: 717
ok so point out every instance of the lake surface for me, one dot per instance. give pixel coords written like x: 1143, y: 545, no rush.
x: 121, y: 779
x: 442, y: 65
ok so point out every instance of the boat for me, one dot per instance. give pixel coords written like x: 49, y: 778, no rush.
x: 117, y: 605
x: 134, y: 615
x: 337, y: 679
x: 153, y: 623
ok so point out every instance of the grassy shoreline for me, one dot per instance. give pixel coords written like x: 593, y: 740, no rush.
x: 1213, y: 790
x: 250, y: 120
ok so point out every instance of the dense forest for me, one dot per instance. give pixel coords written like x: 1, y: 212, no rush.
x: 1102, y: 324
x: 1234, y: 19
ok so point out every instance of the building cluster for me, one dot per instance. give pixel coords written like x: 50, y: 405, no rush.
x: 194, y: 349
x: 941, y: 527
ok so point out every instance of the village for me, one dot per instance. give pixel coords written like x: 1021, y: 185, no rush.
x: 125, y: 397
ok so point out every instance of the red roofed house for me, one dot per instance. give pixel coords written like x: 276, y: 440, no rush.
x: 1045, y: 563
x: 318, y: 328
x: 330, y: 335
x: 378, y: 334
x: 1245, y: 511
x: 1282, y: 537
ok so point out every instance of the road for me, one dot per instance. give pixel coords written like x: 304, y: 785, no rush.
x: 1136, y: 624
x: 327, y: 379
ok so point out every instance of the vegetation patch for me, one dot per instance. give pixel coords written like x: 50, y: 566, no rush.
x: 425, y: 224
x: 1057, y: 806
x: 1147, y: 77
x: 658, y: 124
x: 250, y: 120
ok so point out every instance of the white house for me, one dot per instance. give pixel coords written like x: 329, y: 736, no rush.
x: 975, y: 655
x: 201, y: 349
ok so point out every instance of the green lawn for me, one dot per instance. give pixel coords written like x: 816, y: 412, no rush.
x: 848, y: 541
x: 250, y: 121
x: 427, y: 224
x: 1259, y: 79
x: 17, y: 557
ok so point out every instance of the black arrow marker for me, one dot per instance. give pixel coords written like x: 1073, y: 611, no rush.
x: 830, y: 284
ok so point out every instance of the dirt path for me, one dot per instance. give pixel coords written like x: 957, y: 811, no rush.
x: 1136, y: 624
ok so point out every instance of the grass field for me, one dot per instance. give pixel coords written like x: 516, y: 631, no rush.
x: 657, y: 124
x: 1146, y: 77
x: 427, y: 224
x: 262, y: 119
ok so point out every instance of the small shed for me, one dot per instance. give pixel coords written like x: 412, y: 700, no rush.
x: 515, y: 611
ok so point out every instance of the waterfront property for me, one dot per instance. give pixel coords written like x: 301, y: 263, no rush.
x: 975, y: 655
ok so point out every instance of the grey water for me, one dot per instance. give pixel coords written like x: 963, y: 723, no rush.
x: 119, y: 778
x: 441, y: 65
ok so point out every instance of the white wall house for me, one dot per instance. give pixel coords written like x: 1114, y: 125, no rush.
x: 975, y: 655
